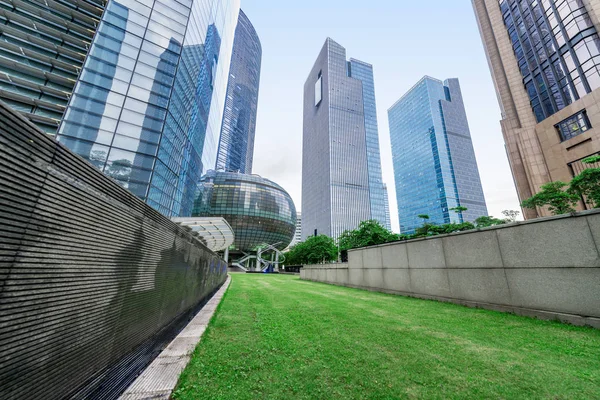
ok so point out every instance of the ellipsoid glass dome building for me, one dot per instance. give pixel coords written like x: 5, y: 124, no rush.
x: 259, y: 210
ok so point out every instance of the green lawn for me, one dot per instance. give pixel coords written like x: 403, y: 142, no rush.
x: 277, y: 337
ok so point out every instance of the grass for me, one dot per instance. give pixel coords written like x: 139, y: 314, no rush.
x: 277, y: 337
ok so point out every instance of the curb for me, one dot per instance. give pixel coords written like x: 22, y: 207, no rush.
x: 159, y: 379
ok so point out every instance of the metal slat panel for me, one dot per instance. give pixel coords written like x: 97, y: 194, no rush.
x: 93, y: 282
x: 21, y: 21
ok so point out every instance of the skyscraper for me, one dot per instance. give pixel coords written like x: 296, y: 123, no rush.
x: 148, y: 106
x: 388, y: 221
x: 298, y: 234
x: 43, y: 46
x: 341, y: 169
x: 434, y: 161
x: 236, y: 146
x: 364, y: 72
x: 545, y: 60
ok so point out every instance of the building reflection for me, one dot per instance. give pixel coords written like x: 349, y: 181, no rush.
x: 82, y: 129
x: 148, y: 106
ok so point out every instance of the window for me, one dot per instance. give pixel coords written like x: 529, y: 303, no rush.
x: 573, y: 126
x: 319, y: 90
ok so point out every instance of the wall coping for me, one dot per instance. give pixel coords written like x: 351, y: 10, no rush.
x: 579, y: 214
x: 328, y: 266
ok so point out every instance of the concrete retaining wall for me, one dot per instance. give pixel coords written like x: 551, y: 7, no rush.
x: 548, y: 268
x: 92, y: 280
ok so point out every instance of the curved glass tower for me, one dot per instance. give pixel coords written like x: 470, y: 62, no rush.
x: 236, y: 148
x: 148, y: 106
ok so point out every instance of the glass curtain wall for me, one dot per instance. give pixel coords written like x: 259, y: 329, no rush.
x: 557, y: 48
x: 341, y: 169
x: 434, y: 161
x: 236, y: 147
x: 350, y: 191
x: 259, y: 210
x: 388, y: 221
x: 364, y: 72
x: 147, y: 108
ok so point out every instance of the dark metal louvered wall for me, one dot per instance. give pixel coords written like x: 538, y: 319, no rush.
x: 90, y: 276
x: 43, y: 45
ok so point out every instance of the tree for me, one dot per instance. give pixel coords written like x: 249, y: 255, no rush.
x: 449, y: 228
x: 292, y: 256
x: 587, y: 183
x: 484, y: 222
x: 592, y: 160
x: 511, y: 215
x: 554, y: 195
x: 368, y: 233
x: 424, y: 230
x: 459, y: 210
x: 314, y: 250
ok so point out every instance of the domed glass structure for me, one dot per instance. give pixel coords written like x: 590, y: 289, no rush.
x: 259, y: 210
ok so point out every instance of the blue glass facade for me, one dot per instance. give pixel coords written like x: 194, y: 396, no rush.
x: 364, y: 72
x: 388, y: 221
x: 147, y: 108
x: 434, y: 161
x: 236, y: 147
x: 557, y: 48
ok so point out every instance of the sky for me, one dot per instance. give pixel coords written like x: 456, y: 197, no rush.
x: 403, y: 40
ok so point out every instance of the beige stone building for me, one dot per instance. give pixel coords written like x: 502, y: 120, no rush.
x: 544, y: 56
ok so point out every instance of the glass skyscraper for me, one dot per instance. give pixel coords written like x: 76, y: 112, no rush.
x: 341, y: 169
x: 43, y: 46
x: 148, y: 105
x: 388, y: 221
x: 236, y: 147
x: 434, y: 161
x: 364, y: 72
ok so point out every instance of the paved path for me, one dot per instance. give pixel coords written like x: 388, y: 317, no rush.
x: 159, y: 379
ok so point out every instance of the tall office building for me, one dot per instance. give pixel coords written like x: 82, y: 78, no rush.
x: 341, y: 169
x: 545, y: 61
x: 298, y: 234
x: 43, y: 45
x: 148, y: 106
x: 364, y: 72
x: 388, y: 220
x: 236, y: 147
x: 434, y: 161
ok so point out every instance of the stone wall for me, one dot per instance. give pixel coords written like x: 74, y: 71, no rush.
x: 547, y: 268
x: 92, y: 280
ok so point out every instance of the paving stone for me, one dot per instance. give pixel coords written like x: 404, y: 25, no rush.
x: 160, y: 378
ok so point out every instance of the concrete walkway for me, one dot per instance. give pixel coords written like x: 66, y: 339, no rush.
x: 159, y: 379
